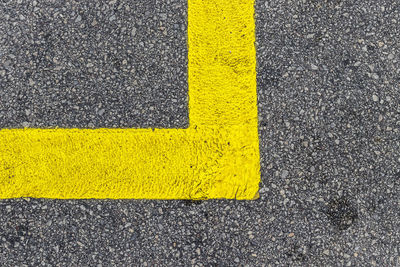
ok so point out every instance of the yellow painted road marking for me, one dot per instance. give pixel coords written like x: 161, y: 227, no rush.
x: 216, y: 157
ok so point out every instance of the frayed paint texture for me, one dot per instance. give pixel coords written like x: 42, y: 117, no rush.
x: 217, y: 156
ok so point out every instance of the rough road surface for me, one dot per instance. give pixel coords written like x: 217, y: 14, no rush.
x: 329, y: 122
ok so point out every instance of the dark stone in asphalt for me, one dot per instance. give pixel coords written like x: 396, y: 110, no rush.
x: 341, y: 213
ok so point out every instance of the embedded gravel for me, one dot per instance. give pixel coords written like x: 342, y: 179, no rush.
x: 329, y: 122
x: 88, y: 64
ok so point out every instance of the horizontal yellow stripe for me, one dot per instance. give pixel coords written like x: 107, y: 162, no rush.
x: 216, y: 157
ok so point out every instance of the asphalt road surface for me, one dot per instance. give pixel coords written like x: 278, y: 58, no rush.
x: 329, y: 122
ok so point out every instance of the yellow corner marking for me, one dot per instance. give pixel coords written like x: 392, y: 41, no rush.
x: 216, y: 157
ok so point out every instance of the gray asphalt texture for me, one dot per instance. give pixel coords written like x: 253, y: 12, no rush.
x: 89, y: 64
x: 329, y: 122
